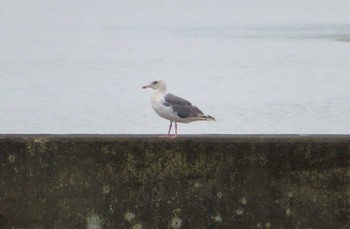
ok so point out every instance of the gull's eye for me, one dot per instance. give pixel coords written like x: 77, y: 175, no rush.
x: 154, y: 82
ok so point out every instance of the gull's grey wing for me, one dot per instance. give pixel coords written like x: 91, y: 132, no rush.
x: 171, y: 100
x: 181, y: 107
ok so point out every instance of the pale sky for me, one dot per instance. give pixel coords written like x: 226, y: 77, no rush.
x: 171, y: 12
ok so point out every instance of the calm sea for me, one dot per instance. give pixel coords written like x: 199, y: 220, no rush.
x: 272, y: 79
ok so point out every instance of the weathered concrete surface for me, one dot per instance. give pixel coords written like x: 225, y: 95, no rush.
x: 220, y: 181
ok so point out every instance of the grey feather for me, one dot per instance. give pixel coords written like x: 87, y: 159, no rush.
x: 171, y: 100
x: 182, y: 107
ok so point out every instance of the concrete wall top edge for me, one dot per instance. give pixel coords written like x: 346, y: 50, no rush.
x: 155, y: 138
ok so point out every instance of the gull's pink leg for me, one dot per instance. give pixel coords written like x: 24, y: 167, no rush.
x: 175, y: 135
x: 171, y: 124
x: 175, y: 129
x: 168, y: 136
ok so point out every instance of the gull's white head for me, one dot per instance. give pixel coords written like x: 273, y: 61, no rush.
x: 158, y: 85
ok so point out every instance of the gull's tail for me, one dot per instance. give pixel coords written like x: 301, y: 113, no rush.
x: 208, y: 118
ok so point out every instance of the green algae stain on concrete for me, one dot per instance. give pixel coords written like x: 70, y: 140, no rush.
x: 211, y: 182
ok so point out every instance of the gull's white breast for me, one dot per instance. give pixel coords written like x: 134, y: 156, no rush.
x: 163, y: 111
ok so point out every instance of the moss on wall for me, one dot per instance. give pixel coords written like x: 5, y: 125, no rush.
x: 191, y: 182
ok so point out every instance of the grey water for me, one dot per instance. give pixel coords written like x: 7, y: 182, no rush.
x: 254, y: 78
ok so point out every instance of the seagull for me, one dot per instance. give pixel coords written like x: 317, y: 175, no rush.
x: 174, y: 108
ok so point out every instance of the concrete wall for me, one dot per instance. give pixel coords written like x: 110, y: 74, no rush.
x: 189, y: 182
